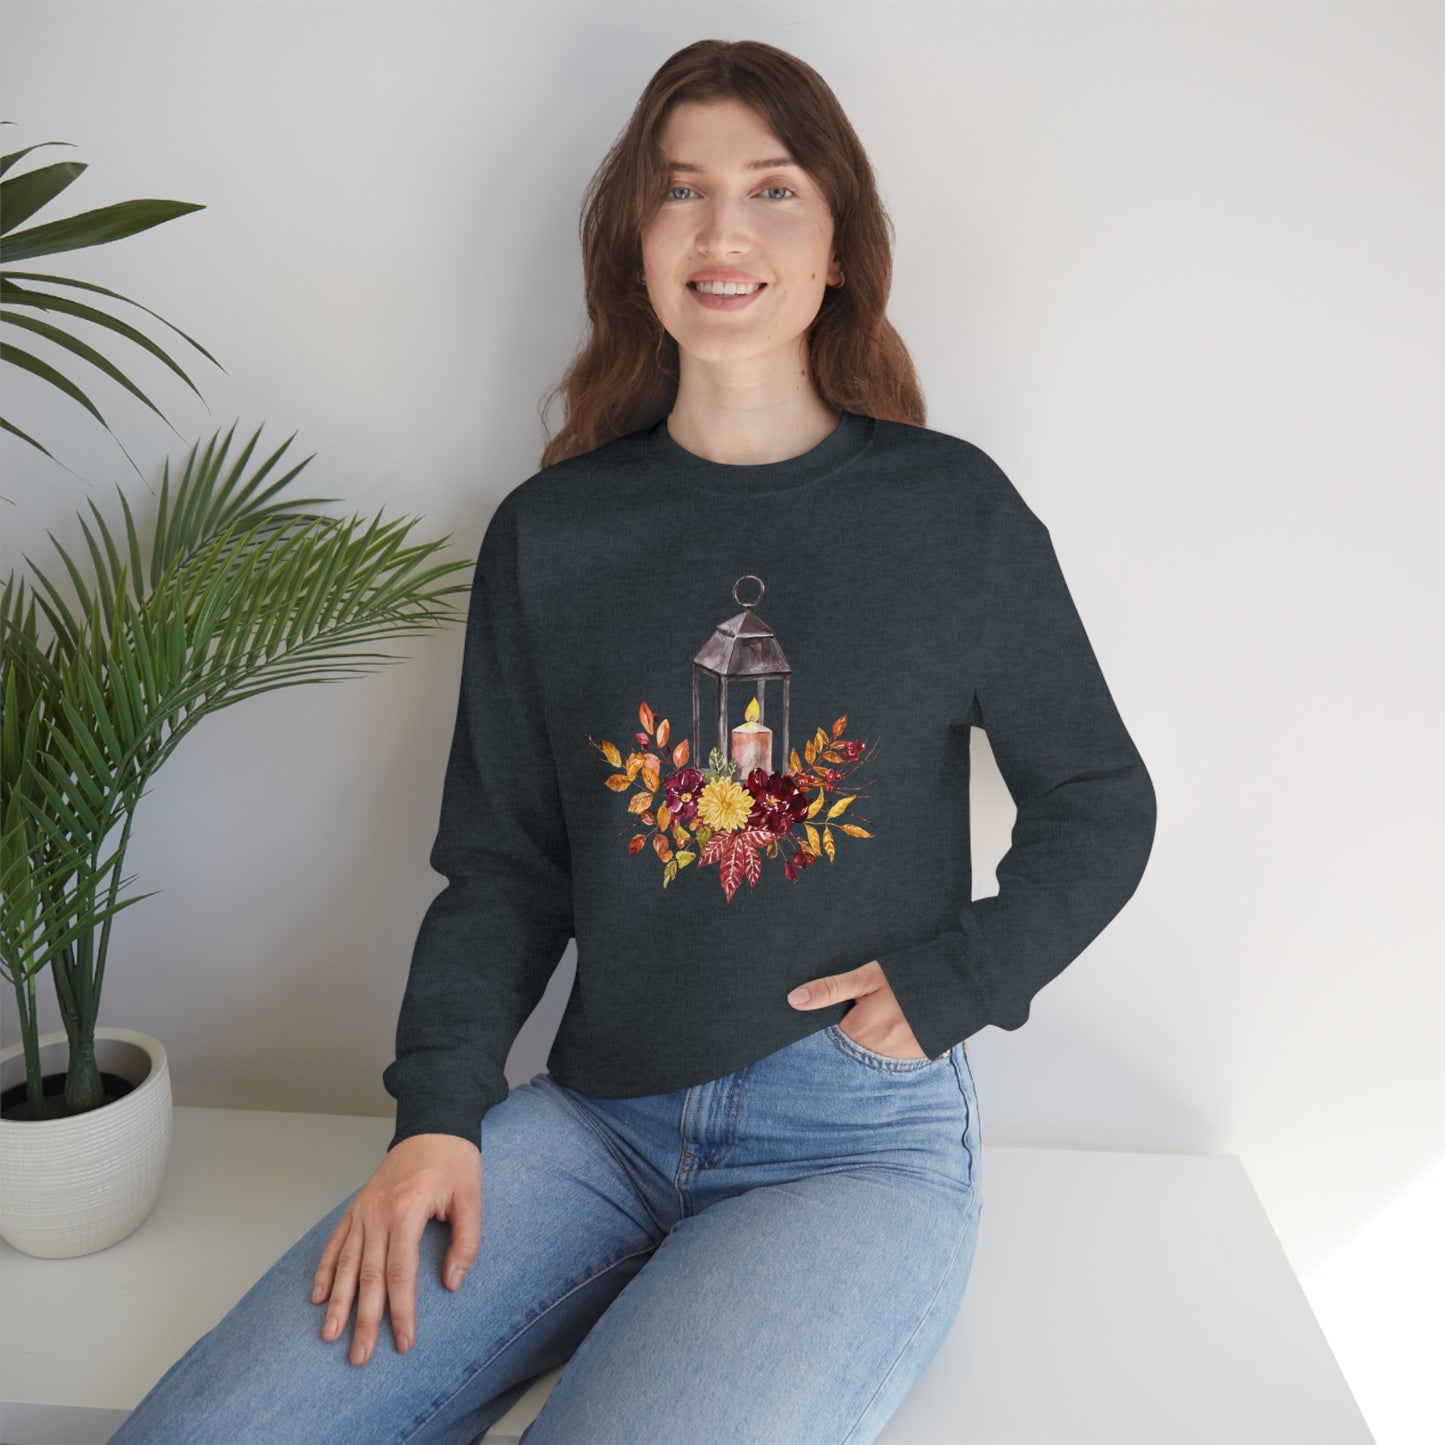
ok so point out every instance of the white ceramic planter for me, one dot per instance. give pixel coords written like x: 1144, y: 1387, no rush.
x: 73, y: 1186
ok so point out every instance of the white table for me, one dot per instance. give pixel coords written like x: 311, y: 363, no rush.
x: 1116, y: 1298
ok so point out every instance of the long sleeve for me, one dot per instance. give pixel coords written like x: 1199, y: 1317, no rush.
x: 1086, y: 805
x: 490, y: 940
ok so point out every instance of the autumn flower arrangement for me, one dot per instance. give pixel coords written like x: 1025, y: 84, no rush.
x: 707, y: 816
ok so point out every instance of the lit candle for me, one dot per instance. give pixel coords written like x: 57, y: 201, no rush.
x: 752, y: 743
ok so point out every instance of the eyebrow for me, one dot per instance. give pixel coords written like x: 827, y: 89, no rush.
x: 766, y: 165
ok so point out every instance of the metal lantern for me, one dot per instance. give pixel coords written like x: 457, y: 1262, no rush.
x: 741, y: 649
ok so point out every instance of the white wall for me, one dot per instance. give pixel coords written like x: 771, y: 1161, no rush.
x: 1176, y: 267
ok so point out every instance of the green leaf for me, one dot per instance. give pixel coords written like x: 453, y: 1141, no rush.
x: 92, y: 228
x: 88, y: 353
x: 21, y: 196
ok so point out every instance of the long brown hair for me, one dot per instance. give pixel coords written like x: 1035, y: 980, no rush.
x: 625, y: 375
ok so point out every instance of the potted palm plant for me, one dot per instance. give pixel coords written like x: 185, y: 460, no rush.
x: 238, y: 593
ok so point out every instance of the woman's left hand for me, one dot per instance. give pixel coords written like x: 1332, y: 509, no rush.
x: 877, y: 1020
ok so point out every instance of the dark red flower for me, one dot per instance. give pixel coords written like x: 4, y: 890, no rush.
x: 777, y: 802
x: 681, y: 790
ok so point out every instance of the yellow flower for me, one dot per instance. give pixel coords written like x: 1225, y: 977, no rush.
x: 724, y: 805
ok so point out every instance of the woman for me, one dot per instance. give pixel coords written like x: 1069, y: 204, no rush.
x: 739, y: 1213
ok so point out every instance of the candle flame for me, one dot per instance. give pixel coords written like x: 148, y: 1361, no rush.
x: 753, y: 712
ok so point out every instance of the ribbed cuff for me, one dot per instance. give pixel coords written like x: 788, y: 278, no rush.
x: 461, y: 1117
x: 943, y: 1000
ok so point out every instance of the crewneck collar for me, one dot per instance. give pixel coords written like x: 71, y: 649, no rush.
x: 847, y: 440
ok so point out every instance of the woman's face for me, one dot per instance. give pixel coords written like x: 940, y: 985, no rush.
x: 769, y: 223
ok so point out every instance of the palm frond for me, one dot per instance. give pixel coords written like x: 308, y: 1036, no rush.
x: 22, y: 239
x: 252, y: 596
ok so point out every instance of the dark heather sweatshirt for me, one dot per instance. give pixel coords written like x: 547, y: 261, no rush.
x: 714, y: 723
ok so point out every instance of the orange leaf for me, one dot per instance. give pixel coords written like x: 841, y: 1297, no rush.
x: 840, y: 725
x: 644, y: 714
x: 619, y: 782
x: 854, y: 831
x: 664, y: 731
x: 680, y: 754
x: 661, y: 847
x: 639, y: 802
x: 664, y: 817
x: 637, y: 843
x: 611, y: 753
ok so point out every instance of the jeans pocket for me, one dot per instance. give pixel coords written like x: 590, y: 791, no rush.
x: 870, y: 1058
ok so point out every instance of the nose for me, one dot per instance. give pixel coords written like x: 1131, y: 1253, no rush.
x: 722, y: 230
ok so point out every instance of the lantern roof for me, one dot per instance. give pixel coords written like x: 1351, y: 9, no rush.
x: 744, y: 645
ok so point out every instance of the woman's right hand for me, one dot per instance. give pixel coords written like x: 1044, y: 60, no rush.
x: 378, y: 1240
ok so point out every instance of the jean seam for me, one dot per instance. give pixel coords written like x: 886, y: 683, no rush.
x: 688, y: 1158
x: 913, y: 1334
x: 970, y: 1098
x: 735, y: 1104
x: 872, y: 1060
x: 970, y: 1094
x: 512, y: 1339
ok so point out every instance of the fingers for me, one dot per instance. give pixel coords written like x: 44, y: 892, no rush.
x: 403, y: 1252
x: 365, y: 1260
x: 340, y: 1263
x: 371, y: 1300
x: 374, y: 1251
x: 326, y: 1270
x: 466, y: 1222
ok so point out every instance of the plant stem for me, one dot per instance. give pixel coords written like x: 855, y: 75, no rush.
x: 34, y: 1084
x: 82, y: 1079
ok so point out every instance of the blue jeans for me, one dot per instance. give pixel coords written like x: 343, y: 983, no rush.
x: 772, y: 1256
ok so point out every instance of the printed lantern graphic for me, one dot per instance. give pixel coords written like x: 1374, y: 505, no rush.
x: 736, y: 808
x: 743, y: 649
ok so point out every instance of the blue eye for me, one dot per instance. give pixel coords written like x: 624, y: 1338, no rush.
x: 668, y: 194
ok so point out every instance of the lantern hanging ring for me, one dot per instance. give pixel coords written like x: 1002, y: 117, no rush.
x: 748, y: 577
